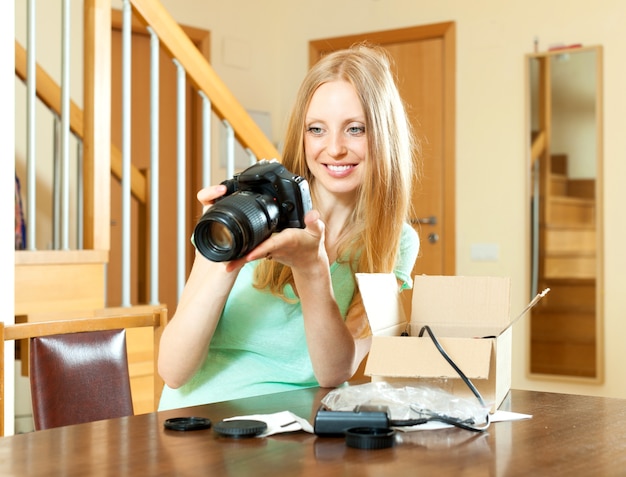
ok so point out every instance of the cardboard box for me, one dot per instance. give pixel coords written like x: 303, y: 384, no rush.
x: 469, y: 316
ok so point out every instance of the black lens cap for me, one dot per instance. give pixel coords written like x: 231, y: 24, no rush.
x: 187, y: 423
x: 370, y: 437
x: 240, y: 428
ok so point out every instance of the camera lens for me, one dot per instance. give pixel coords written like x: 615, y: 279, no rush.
x: 233, y: 226
x: 221, y: 236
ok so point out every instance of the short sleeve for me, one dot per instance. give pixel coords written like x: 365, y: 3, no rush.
x: 407, y: 254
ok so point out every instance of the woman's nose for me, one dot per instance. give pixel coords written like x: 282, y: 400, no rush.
x: 336, y: 146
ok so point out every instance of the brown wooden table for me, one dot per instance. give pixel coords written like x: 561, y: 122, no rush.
x: 568, y: 435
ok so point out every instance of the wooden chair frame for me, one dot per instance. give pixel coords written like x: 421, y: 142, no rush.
x: 117, y: 319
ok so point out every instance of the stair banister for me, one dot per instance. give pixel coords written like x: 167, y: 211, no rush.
x: 204, y: 78
x: 154, y: 165
x: 93, y: 125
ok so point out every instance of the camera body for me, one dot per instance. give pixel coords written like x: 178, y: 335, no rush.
x: 270, y: 178
x: 263, y: 199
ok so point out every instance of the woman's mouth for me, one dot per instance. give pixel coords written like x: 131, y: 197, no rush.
x: 340, y: 170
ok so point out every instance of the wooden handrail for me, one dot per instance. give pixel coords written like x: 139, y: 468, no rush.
x: 204, y: 78
x: 77, y: 325
x: 537, y: 147
x: 49, y: 92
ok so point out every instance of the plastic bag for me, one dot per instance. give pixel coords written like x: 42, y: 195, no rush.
x: 408, y: 403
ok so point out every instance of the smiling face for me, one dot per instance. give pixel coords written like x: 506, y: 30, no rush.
x: 335, y: 139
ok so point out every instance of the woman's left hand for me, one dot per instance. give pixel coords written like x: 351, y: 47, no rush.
x: 296, y: 248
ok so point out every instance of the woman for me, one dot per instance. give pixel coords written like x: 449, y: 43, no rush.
x: 288, y: 314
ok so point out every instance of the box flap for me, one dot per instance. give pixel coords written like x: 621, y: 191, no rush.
x: 410, y: 356
x: 381, y: 299
x: 462, y: 306
x: 460, y: 330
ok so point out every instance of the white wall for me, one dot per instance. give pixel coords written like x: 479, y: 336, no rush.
x: 260, y: 49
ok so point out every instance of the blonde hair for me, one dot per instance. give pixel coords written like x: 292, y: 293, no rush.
x: 371, y: 239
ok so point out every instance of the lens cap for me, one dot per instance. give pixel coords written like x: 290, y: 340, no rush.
x: 187, y: 423
x: 370, y: 437
x: 240, y: 428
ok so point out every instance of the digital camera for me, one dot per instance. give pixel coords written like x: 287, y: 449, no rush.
x: 263, y: 199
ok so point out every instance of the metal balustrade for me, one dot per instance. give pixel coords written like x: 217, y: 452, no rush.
x: 237, y: 128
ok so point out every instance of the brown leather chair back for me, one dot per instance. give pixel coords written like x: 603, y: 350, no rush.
x: 79, y: 377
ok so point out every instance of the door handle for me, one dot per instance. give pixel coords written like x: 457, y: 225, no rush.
x: 432, y: 220
x: 433, y: 238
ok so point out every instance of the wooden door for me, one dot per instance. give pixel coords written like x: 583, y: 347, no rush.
x: 424, y: 60
x: 140, y: 156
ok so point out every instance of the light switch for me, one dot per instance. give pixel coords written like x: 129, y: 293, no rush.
x: 485, y: 252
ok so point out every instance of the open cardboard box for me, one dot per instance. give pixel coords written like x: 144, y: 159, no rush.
x: 469, y: 316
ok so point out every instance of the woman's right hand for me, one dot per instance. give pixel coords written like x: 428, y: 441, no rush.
x: 209, y: 195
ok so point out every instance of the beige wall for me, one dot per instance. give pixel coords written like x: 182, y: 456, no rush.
x: 492, y: 38
x: 260, y: 50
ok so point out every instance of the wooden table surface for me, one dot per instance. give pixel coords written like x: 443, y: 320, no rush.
x: 568, y: 435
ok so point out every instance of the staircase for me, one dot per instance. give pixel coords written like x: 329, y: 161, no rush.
x: 50, y: 284
x: 563, y: 324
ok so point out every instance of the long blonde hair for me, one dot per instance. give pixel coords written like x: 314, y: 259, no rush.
x: 371, y: 239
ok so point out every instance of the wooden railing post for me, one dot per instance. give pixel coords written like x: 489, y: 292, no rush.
x: 97, y: 119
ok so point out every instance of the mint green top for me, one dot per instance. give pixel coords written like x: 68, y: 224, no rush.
x: 259, y: 345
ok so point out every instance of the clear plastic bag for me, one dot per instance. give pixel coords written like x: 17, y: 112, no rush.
x: 409, y: 402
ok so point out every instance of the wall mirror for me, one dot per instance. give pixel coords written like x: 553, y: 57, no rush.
x: 565, y: 95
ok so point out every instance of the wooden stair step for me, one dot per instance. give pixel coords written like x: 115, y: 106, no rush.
x: 570, y: 200
x: 563, y: 359
x: 577, y: 226
x: 558, y: 185
x: 570, y: 267
x: 558, y: 164
x: 565, y: 326
x: 563, y: 186
x: 569, y: 254
x: 566, y: 305
x: 566, y: 239
x: 582, y: 188
x: 578, y: 294
x: 570, y: 210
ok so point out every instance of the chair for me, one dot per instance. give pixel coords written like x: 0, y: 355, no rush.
x: 88, y: 367
x: 79, y: 367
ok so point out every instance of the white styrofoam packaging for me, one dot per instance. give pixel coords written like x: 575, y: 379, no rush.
x: 469, y: 316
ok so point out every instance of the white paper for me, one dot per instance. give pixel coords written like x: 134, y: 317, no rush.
x: 284, y: 421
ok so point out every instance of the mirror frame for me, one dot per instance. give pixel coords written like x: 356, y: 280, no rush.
x: 540, y: 145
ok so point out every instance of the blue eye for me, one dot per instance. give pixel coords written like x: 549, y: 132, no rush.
x: 355, y: 130
x: 314, y: 130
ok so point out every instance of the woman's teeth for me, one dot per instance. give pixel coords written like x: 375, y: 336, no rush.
x: 338, y: 168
